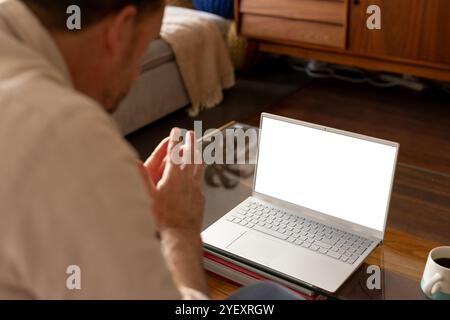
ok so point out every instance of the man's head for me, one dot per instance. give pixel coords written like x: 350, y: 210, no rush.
x: 105, y: 56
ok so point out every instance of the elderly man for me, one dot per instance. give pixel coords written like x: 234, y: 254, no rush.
x: 71, y: 193
x: 78, y: 214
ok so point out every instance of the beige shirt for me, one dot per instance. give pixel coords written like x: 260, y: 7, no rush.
x: 70, y: 190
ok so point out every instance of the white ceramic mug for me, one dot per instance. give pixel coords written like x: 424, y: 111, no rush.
x: 436, y: 278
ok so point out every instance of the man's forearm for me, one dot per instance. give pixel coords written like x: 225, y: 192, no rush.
x: 183, y: 253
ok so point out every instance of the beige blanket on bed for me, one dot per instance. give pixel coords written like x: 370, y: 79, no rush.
x: 202, y: 57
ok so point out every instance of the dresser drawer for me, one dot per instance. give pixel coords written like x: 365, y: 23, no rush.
x: 292, y: 31
x: 327, y: 11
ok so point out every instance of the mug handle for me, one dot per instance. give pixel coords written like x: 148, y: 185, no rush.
x: 432, y: 286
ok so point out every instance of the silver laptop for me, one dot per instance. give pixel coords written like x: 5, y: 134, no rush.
x: 319, y: 205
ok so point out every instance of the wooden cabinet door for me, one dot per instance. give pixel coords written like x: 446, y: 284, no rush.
x: 410, y: 29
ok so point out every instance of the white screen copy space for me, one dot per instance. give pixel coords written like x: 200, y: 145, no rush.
x: 341, y: 176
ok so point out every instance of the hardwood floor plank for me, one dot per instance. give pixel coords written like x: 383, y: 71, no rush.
x: 419, y: 122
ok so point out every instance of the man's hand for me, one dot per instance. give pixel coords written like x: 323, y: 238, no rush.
x: 178, y: 204
x: 178, y: 200
x: 155, y: 164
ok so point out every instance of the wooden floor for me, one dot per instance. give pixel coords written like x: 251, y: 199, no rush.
x: 420, y: 122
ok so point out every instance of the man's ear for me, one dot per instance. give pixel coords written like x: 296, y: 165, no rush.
x: 120, y: 29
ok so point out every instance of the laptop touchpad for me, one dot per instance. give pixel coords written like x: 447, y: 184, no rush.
x: 257, y: 248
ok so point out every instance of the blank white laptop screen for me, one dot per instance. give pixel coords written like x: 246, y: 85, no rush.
x: 338, y: 175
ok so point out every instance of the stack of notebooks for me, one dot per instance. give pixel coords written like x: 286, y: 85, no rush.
x: 243, y: 274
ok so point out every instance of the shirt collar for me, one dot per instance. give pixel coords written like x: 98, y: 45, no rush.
x: 27, y: 28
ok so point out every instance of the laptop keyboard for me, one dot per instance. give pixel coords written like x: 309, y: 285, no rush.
x: 309, y: 234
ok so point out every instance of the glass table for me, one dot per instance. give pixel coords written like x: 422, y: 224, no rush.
x: 400, y: 259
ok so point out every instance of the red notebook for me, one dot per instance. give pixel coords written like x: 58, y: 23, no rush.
x: 250, y: 274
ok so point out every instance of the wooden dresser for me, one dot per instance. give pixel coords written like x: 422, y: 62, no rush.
x: 414, y: 39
